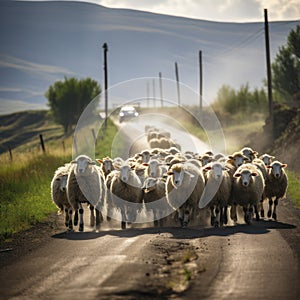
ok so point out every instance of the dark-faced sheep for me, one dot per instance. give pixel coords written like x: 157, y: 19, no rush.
x: 276, y: 185
x: 184, y: 187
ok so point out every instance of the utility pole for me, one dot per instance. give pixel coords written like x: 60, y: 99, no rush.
x: 177, y: 80
x: 153, y: 86
x: 105, y: 48
x: 269, y: 75
x: 200, y: 80
x: 161, y: 91
x: 147, y: 94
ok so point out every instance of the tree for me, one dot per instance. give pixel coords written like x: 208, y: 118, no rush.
x: 286, y: 68
x: 68, y: 98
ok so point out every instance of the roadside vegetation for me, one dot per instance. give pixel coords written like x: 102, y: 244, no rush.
x: 25, y: 182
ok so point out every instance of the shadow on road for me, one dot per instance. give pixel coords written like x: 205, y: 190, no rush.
x: 260, y: 227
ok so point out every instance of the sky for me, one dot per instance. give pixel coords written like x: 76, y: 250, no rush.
x: 215, y: 10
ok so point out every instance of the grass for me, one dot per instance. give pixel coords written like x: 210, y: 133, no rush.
x: 25, y: 182
x: 294, y: 188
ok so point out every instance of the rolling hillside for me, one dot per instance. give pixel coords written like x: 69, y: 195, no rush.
x: 42, y: 42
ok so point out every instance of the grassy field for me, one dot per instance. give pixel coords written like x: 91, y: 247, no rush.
x: 294, y: 188
x: 25, y: 182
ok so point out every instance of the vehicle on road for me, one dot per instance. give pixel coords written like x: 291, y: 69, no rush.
x: 127, y: 112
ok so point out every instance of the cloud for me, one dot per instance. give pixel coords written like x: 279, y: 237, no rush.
x: 48, y: 71
x: 8, y: 106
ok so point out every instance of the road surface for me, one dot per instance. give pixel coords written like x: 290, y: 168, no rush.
x: 258, y: 261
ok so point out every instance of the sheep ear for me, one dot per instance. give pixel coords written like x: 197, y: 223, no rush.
x: 230, y: 157
x: 272, y: 157
x: 145, y: 164
x: 269, y: 167
x: 254, y: 152
x: 254, y: 174
x: 132, y: 167
x: 237, y: 175
x: 92, y: 163
x: 100, y: 161
x: 207, y: 168
x: 283, y: 165
x: 73, y: 162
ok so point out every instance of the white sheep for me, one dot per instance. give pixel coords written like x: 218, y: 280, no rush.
x: 184, y: 187
x: 126, y: 193
x: 85, y: 185
x: 58, y: 191
x: 155, y: 190
x: 218, y: 192
x: 276, y: 185
x: 154, y: 143
x: 248, y: 187
x: 153, y: 168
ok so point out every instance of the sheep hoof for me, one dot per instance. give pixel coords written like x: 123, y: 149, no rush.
x: 269, y: 214
x: 262, y: 213
x: 155, y: 223
x: 67, y: 224
x: 257, y: 218
x: 184, y: 225
x: 108, y: 218
x: 123, y: 225
x: 216, y: 224
x: 274, y: 216
x: 80, y: 227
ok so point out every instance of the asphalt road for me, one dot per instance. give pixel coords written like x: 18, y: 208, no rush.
x: 258, y: 261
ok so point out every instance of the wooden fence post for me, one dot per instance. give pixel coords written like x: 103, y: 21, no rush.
x: 10, y: 153
x: 42, y: 143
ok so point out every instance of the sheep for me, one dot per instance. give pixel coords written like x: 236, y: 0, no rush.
x: 145, y: 155
x: 153, y: 168
x: 267, y: 159
x: 154, y: 143
x: 85, y: 185
x: 248, y: 187
x: 206, y: 159
x: 58, y: 191
x: 154, y: 189
x: 106, y: 164
x: 184, y: 187
x: 276, y: 185
x: 249, y: 152
x: 125, y: 185
x: 217, y: 192
x: 165, y: 143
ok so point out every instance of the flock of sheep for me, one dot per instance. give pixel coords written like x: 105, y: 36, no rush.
x: 169, y: 184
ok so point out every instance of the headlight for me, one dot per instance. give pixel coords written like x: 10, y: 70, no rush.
x: 121, y: 114
x: 136, y: 114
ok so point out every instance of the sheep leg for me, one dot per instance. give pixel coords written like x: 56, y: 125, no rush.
x: 76, y: 217
x: 99, y: 219
x: 81, y: 225
x: 216, y: 224
x: 185, y: 218
x: 92, y: 215
x: 221, y: 209
x: 261, y: 208
x: 212, y: 216
x: 123, y: 222
x: 256, y: 213
x: 180, y: 216
x: 250, y: 212
x: 109, y: 207
x: 66, y: 217
x: 270, y: 207
x: 225, y: 214
x: 70, y: 212
x: 274, y: 215
x: 233, y: 214
x: 246, y: 215
x: 155, y: 218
